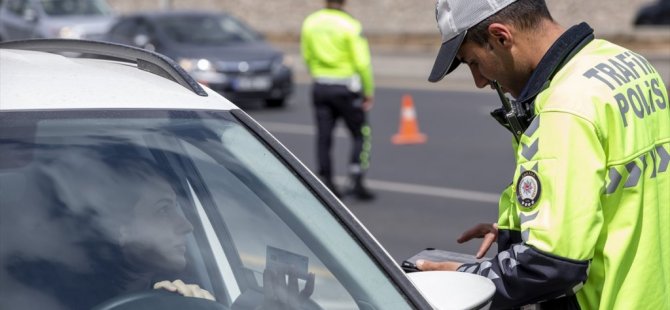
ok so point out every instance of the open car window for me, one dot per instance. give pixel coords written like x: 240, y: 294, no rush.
x: 96, y: 206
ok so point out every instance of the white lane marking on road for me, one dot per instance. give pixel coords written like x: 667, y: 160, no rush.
x: 416, y: 189
x: 397, y: 187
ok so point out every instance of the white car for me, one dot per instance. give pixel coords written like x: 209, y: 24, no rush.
x: 119, y: 174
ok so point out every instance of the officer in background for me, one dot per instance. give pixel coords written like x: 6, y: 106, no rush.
x: 585, y: 222
x: 338, y: 59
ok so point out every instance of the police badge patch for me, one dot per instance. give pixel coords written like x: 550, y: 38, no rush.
x: 528, y: 188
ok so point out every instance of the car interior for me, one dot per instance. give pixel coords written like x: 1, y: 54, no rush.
x: 246, y: 245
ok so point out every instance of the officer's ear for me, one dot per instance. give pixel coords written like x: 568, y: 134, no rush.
x: 500, y: 35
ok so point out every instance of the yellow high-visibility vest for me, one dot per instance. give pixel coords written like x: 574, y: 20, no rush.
x: 333, y: 46
x: 592, y: 181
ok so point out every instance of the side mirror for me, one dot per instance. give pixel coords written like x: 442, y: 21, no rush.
x: 30, y: 15
x: 453, y: 289
x: 143, y: 41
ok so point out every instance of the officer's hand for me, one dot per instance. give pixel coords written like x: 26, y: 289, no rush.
x: 483, y: 230
x: 188, y: 290
x: 426, y: 265
x: 368, y: 102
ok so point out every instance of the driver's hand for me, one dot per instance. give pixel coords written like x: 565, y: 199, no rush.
x: 188, y: 290
x: 426, y: 265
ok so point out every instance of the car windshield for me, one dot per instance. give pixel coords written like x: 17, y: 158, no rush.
x: 97, y: 205
x: 75, y: 7
x: 206, y: 29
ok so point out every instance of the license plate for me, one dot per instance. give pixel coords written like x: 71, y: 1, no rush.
x: 252, y: 83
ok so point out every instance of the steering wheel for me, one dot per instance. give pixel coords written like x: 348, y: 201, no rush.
x: 158, y: 299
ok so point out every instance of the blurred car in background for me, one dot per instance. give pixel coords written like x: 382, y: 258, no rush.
x: 67, y: 19
x: 217, y: 49
x: 657, y: 13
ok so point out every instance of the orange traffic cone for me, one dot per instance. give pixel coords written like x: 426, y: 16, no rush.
x: 408, y: 133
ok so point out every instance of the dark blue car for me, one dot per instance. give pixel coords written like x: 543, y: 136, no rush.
x: 217, y: 49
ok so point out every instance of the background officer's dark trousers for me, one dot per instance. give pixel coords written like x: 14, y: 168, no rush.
x: 332, y: 102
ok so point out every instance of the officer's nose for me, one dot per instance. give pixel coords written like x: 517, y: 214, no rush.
x: 480, y: 80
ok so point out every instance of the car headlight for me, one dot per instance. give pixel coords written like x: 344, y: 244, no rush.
x: 192, y: 65
x: 202, y: 70
x: 69, y: 33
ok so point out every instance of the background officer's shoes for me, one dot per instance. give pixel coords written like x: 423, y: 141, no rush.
x: 359, y: 191
x: 362, y: 193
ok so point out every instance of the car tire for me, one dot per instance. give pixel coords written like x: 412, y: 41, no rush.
x: 275, y: 103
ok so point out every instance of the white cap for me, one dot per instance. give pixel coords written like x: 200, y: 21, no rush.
x: 454, y: 18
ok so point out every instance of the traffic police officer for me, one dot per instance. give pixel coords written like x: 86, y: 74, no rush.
x: 338, y: 58
x: 585, y: 221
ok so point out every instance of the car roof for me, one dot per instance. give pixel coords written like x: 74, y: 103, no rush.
x: 31, y: 80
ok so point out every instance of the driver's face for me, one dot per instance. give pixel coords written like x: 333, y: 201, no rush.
x: 156, y: 234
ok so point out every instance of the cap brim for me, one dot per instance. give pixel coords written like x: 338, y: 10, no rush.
x: 444, y: 63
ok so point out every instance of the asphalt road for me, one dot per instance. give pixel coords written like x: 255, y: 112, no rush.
x: 427, y: 194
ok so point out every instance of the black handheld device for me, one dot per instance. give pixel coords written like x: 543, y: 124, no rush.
x: 515, y: 115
